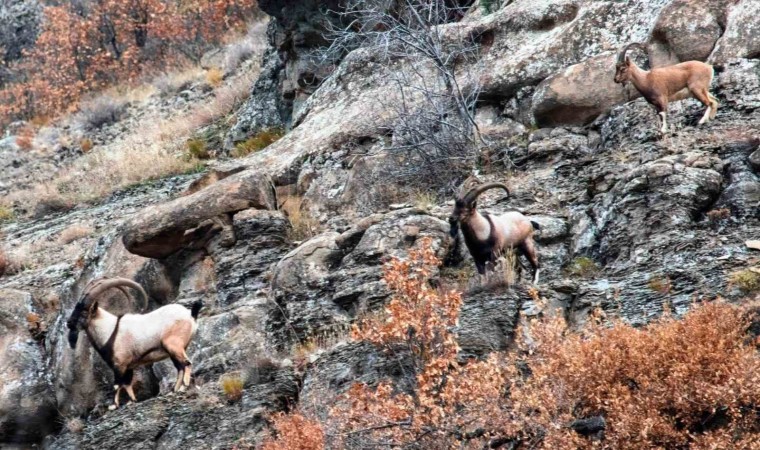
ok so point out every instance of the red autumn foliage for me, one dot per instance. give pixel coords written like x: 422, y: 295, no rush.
x: 678, y: 384
x: 87, y: 46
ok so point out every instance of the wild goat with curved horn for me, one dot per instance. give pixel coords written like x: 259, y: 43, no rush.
x: 662, y: 85
x: 488, y: 237
x: 132, y: 340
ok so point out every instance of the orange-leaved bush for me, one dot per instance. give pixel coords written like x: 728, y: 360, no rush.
x: 687, y: 383
x: 85, y: 47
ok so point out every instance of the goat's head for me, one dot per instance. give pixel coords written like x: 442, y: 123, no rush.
x: 87, y: 306
x: 465, y: 205
x: 623, y: 65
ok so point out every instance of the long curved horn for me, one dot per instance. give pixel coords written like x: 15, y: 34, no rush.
x: 95, y: 288
x: 473, y: 194
x: 639, y: 45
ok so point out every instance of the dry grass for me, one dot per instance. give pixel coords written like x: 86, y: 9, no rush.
x: 582, y: 267
x: 748, y: 280
x: 304, y: 352
x: 214, y: 77
x: 302, y: 225
x: 171, y: 83
x: 73, y: 233
x: 257, y: 142
x: 660, y: 284
x: 86, y: 145
x: 102, y: 110
x: 25, y: 138
x: 153, y: 149
x: 198, y: 149
x: 424, y: 200
x: 232, y: 387
x: 21, y: 259
x: 75, y: 425
x: 7, y: 214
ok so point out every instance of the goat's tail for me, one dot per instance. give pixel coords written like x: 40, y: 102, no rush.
x: 536, y: 226
x: 195, y: 308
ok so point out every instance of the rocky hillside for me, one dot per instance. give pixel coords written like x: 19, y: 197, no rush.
x: 630, y: 221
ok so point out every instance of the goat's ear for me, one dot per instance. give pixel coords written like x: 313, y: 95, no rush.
x: 627, y: 60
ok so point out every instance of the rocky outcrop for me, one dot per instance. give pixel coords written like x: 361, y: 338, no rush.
x: 27, y: 403
x: 630, y: 223
x: 19, y: 25
x: 161, y: 231
x: 741, y: 38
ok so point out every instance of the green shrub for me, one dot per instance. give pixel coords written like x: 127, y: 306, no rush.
x: 747, y: 280
x: 582, y: 267
x: 197, y: 148
x: 6, y: 214
x: 257, y: 142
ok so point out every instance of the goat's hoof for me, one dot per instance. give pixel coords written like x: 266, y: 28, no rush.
x: 130, y: 404
x: 112, y: 407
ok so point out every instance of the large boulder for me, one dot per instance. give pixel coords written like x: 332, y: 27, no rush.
x: 27, y: 405
x: 687, y: 30
x: 162, y: 230
x: 580, y: 93
x: 741, y: 38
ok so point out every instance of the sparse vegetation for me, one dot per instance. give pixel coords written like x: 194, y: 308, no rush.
x: 6, y: 214
x: 214, y: 77
x: 75, y: 425
x: 582, y: 267
x: 690, y: 382
x: 747, y: 280
x: 302, y: 225
x: 197, y: 148
x: 232, y: 387
x: 3, y: 263
x: 86, y: 145
x: 490, y: 6
x: 80, y: 50
x: 73, y: 233
x: 257, y: 142
x: 100, y: 111
x: 424, y: 200
x: 25, y: 138
x: 660, y: 284
x: 716, y: 215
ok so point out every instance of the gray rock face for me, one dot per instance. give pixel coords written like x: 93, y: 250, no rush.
x: 687, y: 30
x: 324, y: 283
x: 27, y: 403
x: 19, y: 25
x: 580, y: 93
x: 741, y: 38
x: 658, y: 220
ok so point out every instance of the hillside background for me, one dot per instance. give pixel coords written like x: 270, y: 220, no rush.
x: 271, y: 158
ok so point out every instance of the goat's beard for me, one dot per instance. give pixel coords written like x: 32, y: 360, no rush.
x: 73, y: 337
x: 454, y: 229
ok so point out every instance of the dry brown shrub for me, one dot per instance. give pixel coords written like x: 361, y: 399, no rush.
x: 214, y: 77
x: 294, y: 432
x: 73, y: 233
x: 680, y: 384
x: 232, y: 387
x: 25, y: 138
x: 86, y: 145
x: 302, y: 225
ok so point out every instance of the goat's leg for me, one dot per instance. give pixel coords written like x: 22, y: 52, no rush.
x: 528, y: 248
x: 128, y: 380
x: 175, y: 347
x: 714, y: 103
x: 703, y: 96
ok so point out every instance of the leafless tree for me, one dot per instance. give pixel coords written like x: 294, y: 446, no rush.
x: 434, y: 137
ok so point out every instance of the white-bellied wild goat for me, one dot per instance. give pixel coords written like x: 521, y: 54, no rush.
x: 132, y: 340
x: 488, y: 237
x: 662, y: 85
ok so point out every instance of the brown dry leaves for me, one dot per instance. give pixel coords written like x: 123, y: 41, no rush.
x: 688, y: 383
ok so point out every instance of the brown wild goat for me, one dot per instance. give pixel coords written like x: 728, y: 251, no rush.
x: 663, y: 85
